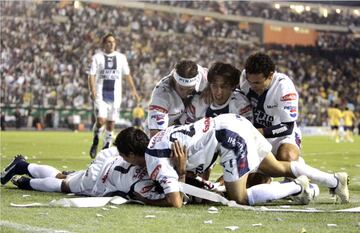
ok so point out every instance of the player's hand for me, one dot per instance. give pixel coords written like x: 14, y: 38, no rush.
x: 179, y: 157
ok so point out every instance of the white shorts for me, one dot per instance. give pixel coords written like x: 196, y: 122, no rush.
x: 294, y: 138
x: 79, y: 183
x: 110, y: 111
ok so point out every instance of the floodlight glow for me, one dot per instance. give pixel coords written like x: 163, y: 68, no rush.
x: 277, y: 6
x: 307, y: 8
x: 356, y: 12
x: 299, y: 9
x: 76, y: 4
x: 338, y: 11
x: 325, y: 13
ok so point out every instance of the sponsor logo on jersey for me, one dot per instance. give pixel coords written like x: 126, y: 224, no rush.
x: 293, y: 115
x: 159, y: 119
x: 262, y: 118
x: 156, y: 138
x: 288, y: 97
x: 292, y: 110
x: 158, y: 108
x: 207, y: 124
x: 155, y: 172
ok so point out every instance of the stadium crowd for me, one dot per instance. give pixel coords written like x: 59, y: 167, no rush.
x: 44, y: 58
x: 267, y: 10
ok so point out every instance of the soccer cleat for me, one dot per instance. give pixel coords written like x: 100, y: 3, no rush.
x: 11, y: 169
x: 341, y: 190
x: 93, y: 148
x: 22, y: 182
x: 305, y: 196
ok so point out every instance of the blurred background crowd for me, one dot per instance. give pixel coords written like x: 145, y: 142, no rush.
x: 46, y: 49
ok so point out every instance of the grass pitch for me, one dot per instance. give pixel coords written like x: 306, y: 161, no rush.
x: 69, y: 151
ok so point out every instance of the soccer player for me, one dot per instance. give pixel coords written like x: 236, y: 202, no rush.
x: 335, y: 115
x: 104, y: 78
x: 349, y: 119
x: 107, y: 175
x: 242, y: 150
x: 274, y: 100
x: 222, y: 81
x: 172, y: 94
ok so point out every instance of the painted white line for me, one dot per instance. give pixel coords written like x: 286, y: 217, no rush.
x: 29, y: 228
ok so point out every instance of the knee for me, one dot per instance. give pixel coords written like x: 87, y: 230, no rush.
x: 287, y: 153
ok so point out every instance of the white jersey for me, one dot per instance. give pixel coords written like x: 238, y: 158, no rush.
x: 197, y: 109
x: 278, y: 104
x: 166, y: 106
x: 240, y: 146
x: 110, y: 173
x: 109, y: 70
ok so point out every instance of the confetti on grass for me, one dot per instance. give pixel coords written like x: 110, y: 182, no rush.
x: 232, y: 228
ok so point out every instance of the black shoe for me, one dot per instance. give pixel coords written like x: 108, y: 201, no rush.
x: 67, y: 172
x: 11, y: 169
x: 21, y: 182
x: 93, y: 149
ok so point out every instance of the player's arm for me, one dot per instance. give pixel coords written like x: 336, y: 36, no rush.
x: 279, y: 130
x: 130, y: 80
x: 179, y: 157
x: 92, y: 88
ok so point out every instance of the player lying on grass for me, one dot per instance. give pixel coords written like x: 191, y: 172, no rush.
x: 242, y: 149
x: 107, y: 175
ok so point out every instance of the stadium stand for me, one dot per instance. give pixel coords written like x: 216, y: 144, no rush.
x: 46, y: 46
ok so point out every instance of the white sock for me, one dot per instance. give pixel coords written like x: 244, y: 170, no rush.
x: 313, y: 174
x: 267, y: 192
x: 48, y: 184
x: 42, y: 171
x: 107, y: 137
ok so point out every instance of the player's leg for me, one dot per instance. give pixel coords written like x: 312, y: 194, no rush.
x: 337, y: 183
x: 19, y: 166
x: 100, y: 113
x: 48, y: 184
x: 112, y: 114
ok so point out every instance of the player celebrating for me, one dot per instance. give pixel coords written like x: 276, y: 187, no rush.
x: 171, y: 95
x: 107, y: 175
x: 275, y: 105
x: 104, y: 78
x: 222, y: 81
x: 242, y: 150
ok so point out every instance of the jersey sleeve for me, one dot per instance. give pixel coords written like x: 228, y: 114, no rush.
x: 160, y: 169
x: 125, y: 66
x: 158, y: 117
x: 241, y: 105
x: 93, y: 66
x: 288, y: 100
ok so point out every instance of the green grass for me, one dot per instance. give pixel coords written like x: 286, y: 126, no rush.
x: 69, y: 151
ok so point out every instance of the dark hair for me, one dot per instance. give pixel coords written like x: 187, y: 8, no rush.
x: 259, y: 63
x: 107, y: 36
x: 228, y: 71
x: 132, y: 140
x: 186, y: 69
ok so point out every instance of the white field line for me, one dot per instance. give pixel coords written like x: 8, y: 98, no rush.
x: 29, y: 228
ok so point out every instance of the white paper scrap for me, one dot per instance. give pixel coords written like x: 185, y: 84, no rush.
x: 208, y: 222
x: 150, y: 216
x: 213, y: 208
x: 112, y: 207
x: 331, y: 225
x: 257, y: 225
x: 106, y: 209
x: 232, y: 228
x: 99, y: 215
x: 36, y: 204
x: 26, y: 195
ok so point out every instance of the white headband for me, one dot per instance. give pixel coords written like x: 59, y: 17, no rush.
x: 186, y: 82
